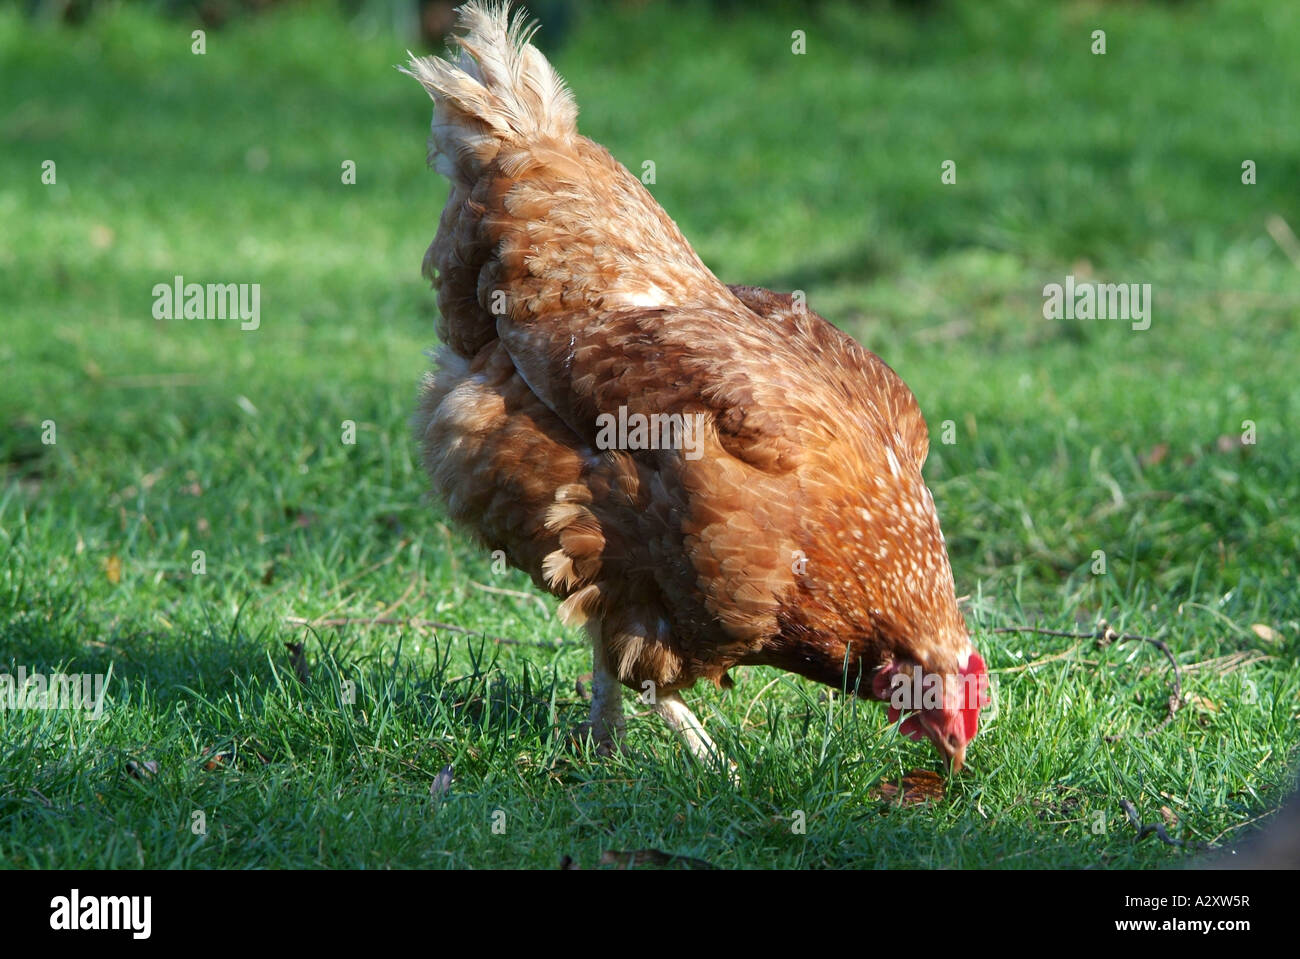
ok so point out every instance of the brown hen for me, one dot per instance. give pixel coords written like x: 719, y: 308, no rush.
x: 708, y: 476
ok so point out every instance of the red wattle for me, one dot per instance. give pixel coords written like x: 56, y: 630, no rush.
x: 971, y: 714
x: 912, y: 728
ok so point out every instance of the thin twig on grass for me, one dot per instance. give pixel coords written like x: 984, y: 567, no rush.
x: 516, y: 593
x: 1104, y: 635
x: 1038, y: 662
x: 1240, y: 825
x: 417, y: 623
x: 1146, y: 829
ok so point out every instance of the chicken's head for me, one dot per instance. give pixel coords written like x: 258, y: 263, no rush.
x: 942, y: 705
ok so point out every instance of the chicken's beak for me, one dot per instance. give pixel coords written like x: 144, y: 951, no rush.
x: 956, y: 758
x: 945, y: 731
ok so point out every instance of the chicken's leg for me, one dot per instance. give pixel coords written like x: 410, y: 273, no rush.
x: 606, y: 719
x: 678, y: 715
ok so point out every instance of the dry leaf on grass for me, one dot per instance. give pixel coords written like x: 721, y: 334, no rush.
x: 918, y: 786
x: 1266, y: 633
x: 217, y: 760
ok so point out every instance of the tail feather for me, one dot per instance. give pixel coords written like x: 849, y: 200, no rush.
x: 497, y: 90
x: 543, y: 233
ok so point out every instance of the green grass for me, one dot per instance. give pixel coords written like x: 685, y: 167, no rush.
x: 819, y: 172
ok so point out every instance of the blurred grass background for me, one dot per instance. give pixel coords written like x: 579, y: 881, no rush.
x: 819, y: 172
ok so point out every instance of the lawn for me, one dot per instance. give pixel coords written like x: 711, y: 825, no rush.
x: 199, y: 507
